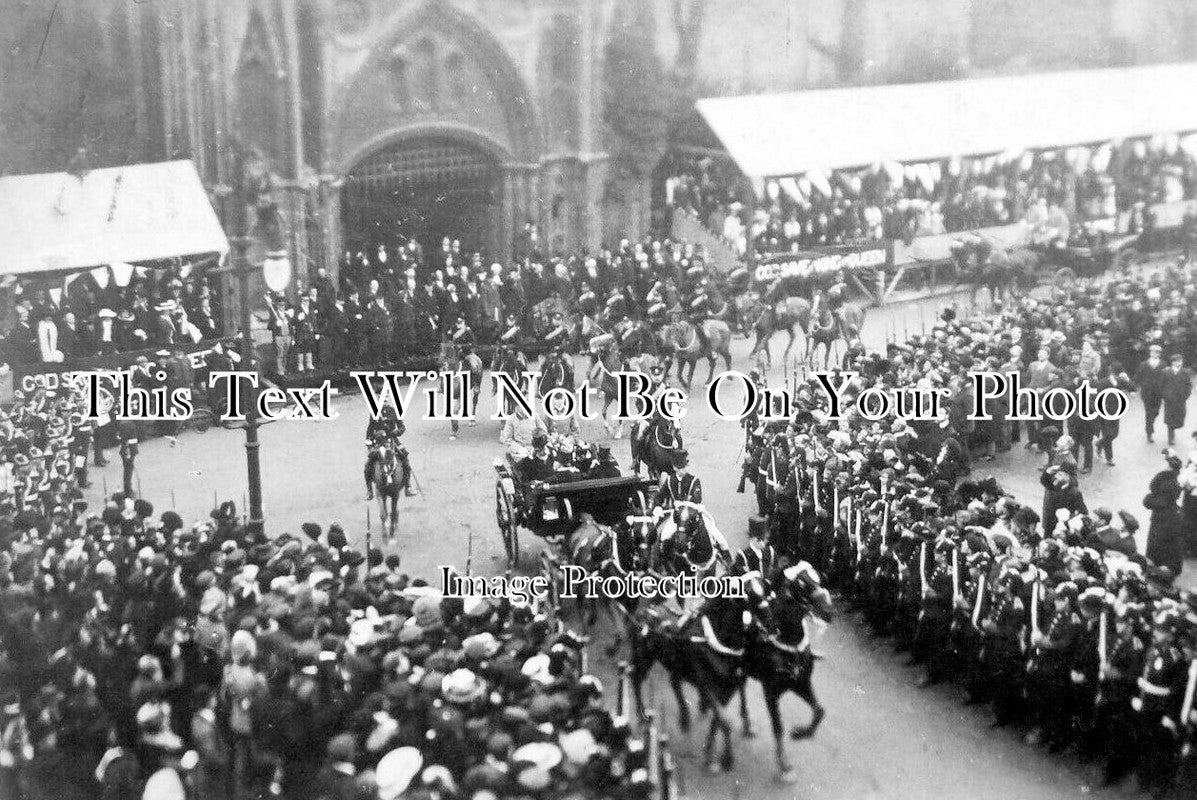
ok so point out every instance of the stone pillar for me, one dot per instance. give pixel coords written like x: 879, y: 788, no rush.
x: 166, y: 52
x: 140, y: 112
x: 295, y: 158
x: 507, y: 214
x: 188, y: 32
x: 294, y: 97
x: 330, y: 224
x: 593, y: 181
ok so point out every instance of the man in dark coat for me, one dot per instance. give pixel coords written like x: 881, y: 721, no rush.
x: 1150, y: 380
x: 1060, y: 490
x: 404, y: 317
x: 1166, y: 535
x: 378, y: 323
x: 1178, y: 385
x: 355, y: 319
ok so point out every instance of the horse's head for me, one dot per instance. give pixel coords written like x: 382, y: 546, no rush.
x: 801, y: 585
x: 687, y: 519
x: 756, y: 599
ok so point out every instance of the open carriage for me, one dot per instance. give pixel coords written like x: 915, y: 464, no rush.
x: 1092, y: 259
x: 553, y: 509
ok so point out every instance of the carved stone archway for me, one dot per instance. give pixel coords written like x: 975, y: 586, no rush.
x: 437, y: 75
x: 425, y: 182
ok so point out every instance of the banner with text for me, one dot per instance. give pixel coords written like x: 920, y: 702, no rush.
x: 28, y: 377
x: 822, y: 265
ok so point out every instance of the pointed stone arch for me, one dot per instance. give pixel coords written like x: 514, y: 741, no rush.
x: 260, y: 105
x: 500, y: 107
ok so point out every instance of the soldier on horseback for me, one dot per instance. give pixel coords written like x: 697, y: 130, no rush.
x: 616, y: 306
x: 657, y: 426
x: 384, y: 431
x: 512, y: 334
x: 587, y: 302
x: 698, y: 312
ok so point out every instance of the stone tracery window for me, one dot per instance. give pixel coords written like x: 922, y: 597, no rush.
x: 456, y: 80
x: 425, y: 87
x: 400, y: 77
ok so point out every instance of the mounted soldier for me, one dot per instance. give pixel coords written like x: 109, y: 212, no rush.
x: 384, y: 431
x: 653, y: 441
x: 509, y: 358
x: 616, y: 306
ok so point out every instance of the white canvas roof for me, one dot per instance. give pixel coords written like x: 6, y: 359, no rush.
x: 55, y: 221
x: 776, y: 135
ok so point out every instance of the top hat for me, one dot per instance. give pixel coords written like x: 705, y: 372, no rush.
x: 758, y: 527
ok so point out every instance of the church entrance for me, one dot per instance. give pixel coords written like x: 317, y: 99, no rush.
x: 427, y: 189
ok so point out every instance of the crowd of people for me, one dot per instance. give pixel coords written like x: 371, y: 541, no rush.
x: 144, y: 657
x: 1055, y: 190
x: 1053, y: 614
x: 398, y: 303
x: 96, y: 316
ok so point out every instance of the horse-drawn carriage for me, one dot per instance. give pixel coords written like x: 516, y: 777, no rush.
x: 1088, y: 259
x: 554, y: 509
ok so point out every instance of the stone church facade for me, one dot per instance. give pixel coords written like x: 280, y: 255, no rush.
x: 381, y: 120
x: 377, y: 120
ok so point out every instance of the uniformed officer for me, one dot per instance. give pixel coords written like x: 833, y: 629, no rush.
x: 127, y: 433
x: 758, y: 557
x: 385, y: 430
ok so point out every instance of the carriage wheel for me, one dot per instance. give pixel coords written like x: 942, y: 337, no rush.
x: 508, y: 527
x: 1064, y: 277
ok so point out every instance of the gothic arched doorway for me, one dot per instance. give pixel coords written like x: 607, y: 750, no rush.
x: 425, y: 188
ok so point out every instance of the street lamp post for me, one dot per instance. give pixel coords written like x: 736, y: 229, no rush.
x: 250, y: 256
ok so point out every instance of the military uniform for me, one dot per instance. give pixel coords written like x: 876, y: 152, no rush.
x: 384, y: 431
x: 758, y: 557
x: 1161, y: 691
x: 679, y: 485
x: 127, y: 432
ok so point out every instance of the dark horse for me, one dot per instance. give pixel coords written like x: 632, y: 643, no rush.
x: 389, y: 475
x: 783, y: 662
x: 636, y: 338
x: 654, y: 444
x: 512, y: 363
x: 608, y: 551
x: 556, y: 372
x: 706, y: 652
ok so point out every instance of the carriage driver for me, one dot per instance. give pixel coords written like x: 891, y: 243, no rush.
x: 385, y: 430
x: 647, y: 427
x: 681, y: 484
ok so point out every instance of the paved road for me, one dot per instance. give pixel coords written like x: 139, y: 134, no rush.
x: 882, y: 737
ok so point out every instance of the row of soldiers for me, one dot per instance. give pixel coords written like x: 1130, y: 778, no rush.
x: 1058, y: 630
x: 47, y: 445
